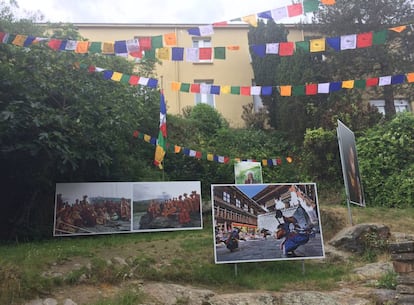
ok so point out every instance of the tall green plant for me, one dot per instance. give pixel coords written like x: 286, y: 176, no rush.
x: 387, y: 162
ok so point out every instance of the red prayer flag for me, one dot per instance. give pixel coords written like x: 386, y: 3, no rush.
x: 219, y: 24
x: 54, y: 44
x: 205, y: 53
x: 198, y: 154
x: 195, y: 88
x: 295, y: 10
x: 245, y: 90
x: 144, y: 43
x: 372, y: 82
x: 311, y: 89
x: 133, y: 80
x: 286, y: 48
x: 364, y: 40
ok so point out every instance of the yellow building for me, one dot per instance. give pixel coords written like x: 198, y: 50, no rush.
x: 234, y: 70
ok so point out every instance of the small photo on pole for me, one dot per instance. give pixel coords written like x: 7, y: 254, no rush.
x: 247, y: 172
x: 350, y: 168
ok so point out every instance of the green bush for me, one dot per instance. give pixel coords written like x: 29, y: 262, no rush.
x: 387, y: 162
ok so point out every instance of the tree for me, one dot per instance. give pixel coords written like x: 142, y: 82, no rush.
x: 393, y: 57
x: 59, y: 123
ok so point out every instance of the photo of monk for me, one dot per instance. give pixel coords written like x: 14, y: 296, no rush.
x: 266, y: 222
x: 92, y: 208
x: 350, y: 168
x: 159, y: 206
x: 248, y: 172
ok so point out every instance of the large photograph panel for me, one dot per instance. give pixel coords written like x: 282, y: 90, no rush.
x: 92, y: 208
x: 266, y: 222
x: 167, y: 206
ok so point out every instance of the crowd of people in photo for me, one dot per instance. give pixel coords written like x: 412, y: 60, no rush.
x: 80, y: 215
x: 178, y: 208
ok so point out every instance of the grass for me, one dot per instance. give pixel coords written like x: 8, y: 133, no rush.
x: 184, y: 257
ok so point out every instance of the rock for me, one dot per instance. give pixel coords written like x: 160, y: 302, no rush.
x: 384, y: 296
x: 69, y: 302
x: 374, y: 270
x: 119, y: 260
x: 354, y: 239
x: 35, y: 302
x: 50, y: 301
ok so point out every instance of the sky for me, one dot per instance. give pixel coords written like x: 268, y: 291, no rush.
x: 147, y: 11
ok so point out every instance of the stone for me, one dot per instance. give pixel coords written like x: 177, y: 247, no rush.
x: 374, y: 270
x: 119, y: 260
x: 403, y: 267
x: 50, y: 301
x: 35, y: 302
x: 401, y: 247
x: 353, y: 239
x: 405, y: 289
x: 407, y: 279
x: 402, y: 256
x: 69, y: 302
x: 405, y: 300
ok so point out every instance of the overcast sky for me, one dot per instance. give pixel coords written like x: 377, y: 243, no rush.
x: 148, y: 11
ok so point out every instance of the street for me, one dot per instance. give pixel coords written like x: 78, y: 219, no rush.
x: 266, y: 250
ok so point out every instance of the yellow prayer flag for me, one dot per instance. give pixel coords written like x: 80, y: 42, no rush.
x: 264, y: 162
x: 108, y: 48
x: 348, y: 84
x: 210, y: 157
x: 398, y: 29
x: 250, y: 19
x: 328, y: 2
x: 116, y: 76
x: 163, y: 53
x: 170, y: 39
x: 289, y: 159
x: 225, y: 89
x: 19, y: 40
x: 317, y: 45
x: 147, y: 138
x: 82, y: 47
x: 177, y: 149
x: 175, y: 86
x: 410, y: 77
x: 286, y: 90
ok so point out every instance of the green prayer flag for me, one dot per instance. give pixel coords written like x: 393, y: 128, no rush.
x: 379, y: 37
x: 95, y: 47
x: 157, y: 42
x: 125, y: 78
x: 185, y: 87
x: 302, y: 45
x: 219, y: 53
x: 298, y: 90
x: 235, y: 90
x: 360, y: 84
x: 310, y: 6
x: 149, y: 54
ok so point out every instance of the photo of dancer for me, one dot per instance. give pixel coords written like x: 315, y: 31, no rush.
x: 266, y: 222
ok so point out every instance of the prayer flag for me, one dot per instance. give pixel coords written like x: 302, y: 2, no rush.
x: 108, y: 48
x: 54, y: 44
x: 157, y: 42
x: 185, y: 87
x: 132, y: 45
x: 302, y: 45
x: 95, y: 47
x: 143, y: 81
x: 133, y: 80
x: 397, y: 79
x: 244, y: 90
x: 364, y: 40
x: 116, y: 76
x: 170, y: 39
x: 410, y: 77
x: 82, y: 47
x: 323, y: 88
x: 29, y: 40
x: 348, y: 84
x: 348, y: 42
x: 360, y: 84
x: 107, y: 74
x: 235, y: 90
x: 255, y: 90
x: 265, y: 15
x: 317, y: 45
x: 19, y: 40
x: 334, y: 43
x: 266, y: 90
x: 335, y: 86
x: 195, y: 88
x: 145, y: 43
x: 219, y: 53
x: 311, y: 89
x: 259, y: 50
x: 161, y: 147
x: 194, y: 31
x: 250, y: 19
x: 175, y: 86
x: 295, y: 10
x: 163, y: 53
x: 215, y: 89
x: 272, y: 48
x: 206, y: 30
x: 286, y: 90
x: 152, y: 83
x: 379, y: 37
x: 225, y: 89
x: 120, y: 47
x: 191, y: 54
x: 177, y: 149
x: 370, y: 82
x: 286, y: 48
x: 398, y: 29
x: 279, y: 13
x: 205, y: 53
x: 384, y: 81
x: 205, y: 88
x: 71, y: 45
x: 298, y: 90
x: 310, y: 6
x: 328, y: 2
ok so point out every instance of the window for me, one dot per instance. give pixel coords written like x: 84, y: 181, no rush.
x: 226, y: 197
x: 238, y: 203
x: 202, y: 42
x: 400, y: 105
x: 204, y: 97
